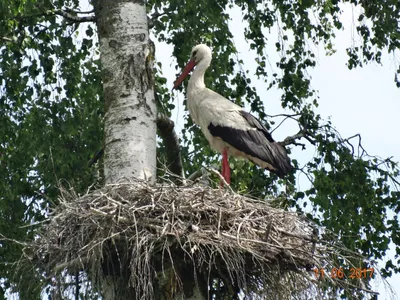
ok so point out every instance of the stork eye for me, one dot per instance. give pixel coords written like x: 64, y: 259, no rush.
x: 194, y: 53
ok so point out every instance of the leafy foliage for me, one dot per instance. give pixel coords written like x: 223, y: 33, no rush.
x: 51, y: 109
x: 50, y: 116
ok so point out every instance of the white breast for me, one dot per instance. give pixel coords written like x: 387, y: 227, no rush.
x: 206, y: 106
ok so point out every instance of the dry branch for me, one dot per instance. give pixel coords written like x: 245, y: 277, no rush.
x: 137, y: 230
x: 71, y: 17
x: 291, y: 140
x: 68, y: 15
x: 167, y: 132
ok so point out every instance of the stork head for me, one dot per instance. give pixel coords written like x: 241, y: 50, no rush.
x: 201, y: 53
x: 201, y: 57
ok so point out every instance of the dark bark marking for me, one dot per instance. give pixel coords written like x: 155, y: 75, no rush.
x: 150, y: 62
x: 143, y: 104
x: 128, y: 73
x: 113, y: 44
x: 114, y: 141
x: 140, y: 37
x: 109, y: 97
x: 127, y: 120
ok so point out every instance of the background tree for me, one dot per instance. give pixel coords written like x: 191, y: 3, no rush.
x: 52, y: 109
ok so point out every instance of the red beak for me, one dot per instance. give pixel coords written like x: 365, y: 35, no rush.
x: 189, y: 67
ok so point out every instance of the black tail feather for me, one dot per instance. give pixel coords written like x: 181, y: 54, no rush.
x: 281, y: 160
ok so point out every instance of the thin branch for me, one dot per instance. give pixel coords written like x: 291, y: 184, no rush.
x: 309, y: 177
x: 226, y: 185
x: 279, y: 125
x: 310, y: 140
x: 291, y: 140
x: 79, y: 11
x: 96, y: 157
x: 347, y: 140
x: 154, y: 16
x: 76, y: 19
x: 65, y: 14
x: 4, y: 238
x: 196, y: 174
x: 285, y: 115
x: 7, y: 39
x: 200, y: 176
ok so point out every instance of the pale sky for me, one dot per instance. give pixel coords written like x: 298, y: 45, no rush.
x: 364, y: 100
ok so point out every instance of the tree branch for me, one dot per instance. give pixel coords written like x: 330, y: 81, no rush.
x: 65, y: 14
x: 291, y: 140
x: 166, y: 131
x: 8, y: 39
x: 74, y: 18
x: 154, y: 16
x: 78, y: 11
x: 96, y: 157
x: 285, y: 115
x: 347, y: 140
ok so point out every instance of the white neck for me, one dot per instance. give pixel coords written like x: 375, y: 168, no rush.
x: 196, y: 81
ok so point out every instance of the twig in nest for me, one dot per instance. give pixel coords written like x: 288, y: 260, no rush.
x: 221, y: 178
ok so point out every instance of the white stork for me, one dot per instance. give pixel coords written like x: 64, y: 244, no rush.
x: 228, y: 128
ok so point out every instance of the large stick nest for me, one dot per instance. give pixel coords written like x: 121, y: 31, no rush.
x: 215, y: 238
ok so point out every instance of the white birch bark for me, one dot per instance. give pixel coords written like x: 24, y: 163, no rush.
x: 130, y: 110
x: 127, y: 72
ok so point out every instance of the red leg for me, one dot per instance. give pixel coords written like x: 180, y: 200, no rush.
x: 226, y: 171
x: 222, y: 170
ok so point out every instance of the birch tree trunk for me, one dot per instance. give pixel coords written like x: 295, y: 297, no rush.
x: 128, y: 81
x: 126, y: 56
x: 130, y: 117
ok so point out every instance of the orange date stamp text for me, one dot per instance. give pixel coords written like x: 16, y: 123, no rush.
x: 341, y: 273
